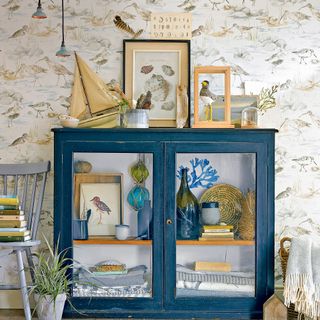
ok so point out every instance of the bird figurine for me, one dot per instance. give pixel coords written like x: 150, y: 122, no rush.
x: 101, y: 207
x: 207, y: 97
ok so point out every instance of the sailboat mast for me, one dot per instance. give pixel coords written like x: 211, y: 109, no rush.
x: 84, y: 88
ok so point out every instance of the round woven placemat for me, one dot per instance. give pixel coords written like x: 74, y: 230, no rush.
x: 229, y: 198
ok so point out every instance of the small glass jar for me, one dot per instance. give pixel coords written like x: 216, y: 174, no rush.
x: 250, y: 117
x: 210, y: 213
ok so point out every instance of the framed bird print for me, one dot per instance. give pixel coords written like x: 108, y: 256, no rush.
x: 102, y: 193
x: 212, y: 97
x: 161, y: 67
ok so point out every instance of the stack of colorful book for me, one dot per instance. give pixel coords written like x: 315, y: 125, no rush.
x: 13, y: 226
x: 217, y: 232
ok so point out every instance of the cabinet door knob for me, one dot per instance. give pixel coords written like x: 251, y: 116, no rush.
x: 169, y: 221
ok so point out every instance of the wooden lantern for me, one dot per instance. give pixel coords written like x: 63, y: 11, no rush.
x: 210, y: 121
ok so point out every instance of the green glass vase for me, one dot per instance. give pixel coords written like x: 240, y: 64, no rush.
x: 188, y: 211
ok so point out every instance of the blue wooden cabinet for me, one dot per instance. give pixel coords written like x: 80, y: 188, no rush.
x: 239, y: 155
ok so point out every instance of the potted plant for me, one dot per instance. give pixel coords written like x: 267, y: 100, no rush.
x: 51, y: 283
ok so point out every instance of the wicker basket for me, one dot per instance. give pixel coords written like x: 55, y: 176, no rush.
x: 284, y: 255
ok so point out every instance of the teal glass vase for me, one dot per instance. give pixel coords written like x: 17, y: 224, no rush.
x: 136, y: 197
x: 188, y: 211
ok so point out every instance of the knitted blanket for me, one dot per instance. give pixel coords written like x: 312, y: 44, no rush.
x: 239, y: 278
x: 302, y: 285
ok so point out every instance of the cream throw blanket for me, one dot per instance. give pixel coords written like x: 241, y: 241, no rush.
x: 302, y: 285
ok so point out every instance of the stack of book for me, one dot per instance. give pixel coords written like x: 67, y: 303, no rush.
x: 13, y: 226
x: 217, y: 232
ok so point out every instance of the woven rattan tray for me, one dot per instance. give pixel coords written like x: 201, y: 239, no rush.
x: 229, y: 199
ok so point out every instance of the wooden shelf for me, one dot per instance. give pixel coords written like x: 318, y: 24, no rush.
x: 133, y: 242
x: 114, y: 241
x: 215, y: 243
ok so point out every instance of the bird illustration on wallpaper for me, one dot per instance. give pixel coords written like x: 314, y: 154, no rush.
x: 101, y: 207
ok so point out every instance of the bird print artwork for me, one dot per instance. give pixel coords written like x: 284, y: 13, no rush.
x: 101, y: 207
x: 208, y: 98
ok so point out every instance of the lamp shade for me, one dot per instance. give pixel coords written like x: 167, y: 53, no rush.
x: 63, y: 52
x: 39, y: 14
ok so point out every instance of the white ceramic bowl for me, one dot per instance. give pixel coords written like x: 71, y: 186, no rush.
x: 69, y: 122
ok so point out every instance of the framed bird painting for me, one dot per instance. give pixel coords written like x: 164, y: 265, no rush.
x: 102, y: 193
x: 212, y: 97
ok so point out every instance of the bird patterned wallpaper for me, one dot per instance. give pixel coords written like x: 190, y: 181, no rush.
x: 266, y: 43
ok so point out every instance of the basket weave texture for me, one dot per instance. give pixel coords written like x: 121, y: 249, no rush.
x: 247, y: 222
x: 284, y: 255
x: 229, y: 198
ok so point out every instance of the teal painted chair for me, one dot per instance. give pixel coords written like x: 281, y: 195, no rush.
x: 27, y: 181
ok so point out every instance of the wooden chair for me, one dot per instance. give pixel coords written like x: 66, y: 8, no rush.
x: 27, y: 181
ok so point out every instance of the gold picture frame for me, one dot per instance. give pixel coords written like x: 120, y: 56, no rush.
x: 102, y: 193
x: 159, y: 66
x: 201, y: 73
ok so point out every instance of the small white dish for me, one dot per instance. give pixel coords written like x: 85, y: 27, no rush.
x: 68, y: 122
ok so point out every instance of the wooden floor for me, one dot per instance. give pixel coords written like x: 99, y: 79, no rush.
x: 19, y: 315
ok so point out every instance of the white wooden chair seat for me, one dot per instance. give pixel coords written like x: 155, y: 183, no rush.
x: 20, y: 245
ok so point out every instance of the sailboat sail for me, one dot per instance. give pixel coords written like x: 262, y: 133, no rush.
x: 90, y: 95
x: 79, y: 105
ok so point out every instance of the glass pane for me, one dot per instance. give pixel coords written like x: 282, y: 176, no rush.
x: 112, y: 231
x: 215, y: 212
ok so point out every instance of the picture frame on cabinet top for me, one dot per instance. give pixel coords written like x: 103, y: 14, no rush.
x: 212, y: 97
x: 159, y: 66
x: 102, y: 193
x: 238, y: 104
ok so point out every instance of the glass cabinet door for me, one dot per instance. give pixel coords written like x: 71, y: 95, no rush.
x: 115, y: 206
x: 216, y: 208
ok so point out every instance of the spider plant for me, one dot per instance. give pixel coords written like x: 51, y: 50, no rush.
x: 50, y: 273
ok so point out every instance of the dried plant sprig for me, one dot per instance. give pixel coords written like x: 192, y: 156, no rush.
x: 267, y: 99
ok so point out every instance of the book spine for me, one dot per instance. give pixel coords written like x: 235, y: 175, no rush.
x: 12, y: 234
x: 13, y: 212
x: 216, y: 239
x: 12, y: 224
x: 218, y: 235
x: 2, y: 230
x: 9, y: 201
x: 217, y: 231
x: 207, y: 227
x: 9, y: 207
x: 9, y: 218
x: 13, y: 238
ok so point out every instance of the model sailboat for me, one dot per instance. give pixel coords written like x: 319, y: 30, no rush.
x: 92, y: 101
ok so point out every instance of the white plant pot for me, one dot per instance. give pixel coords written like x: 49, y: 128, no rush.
x: 48, y: 309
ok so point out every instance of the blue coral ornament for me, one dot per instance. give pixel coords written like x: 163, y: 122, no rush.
x: 137, y: 196
x: 201, y: 175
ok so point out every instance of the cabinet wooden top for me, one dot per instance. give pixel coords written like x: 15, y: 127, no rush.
x: 164, y: 130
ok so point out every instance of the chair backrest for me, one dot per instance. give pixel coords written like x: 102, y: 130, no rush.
x: 27, y: 181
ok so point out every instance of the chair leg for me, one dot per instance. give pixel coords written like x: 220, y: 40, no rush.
x: 30, y: 262
x: 23, y: 286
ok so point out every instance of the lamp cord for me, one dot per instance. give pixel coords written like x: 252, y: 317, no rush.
x: 62, y: 44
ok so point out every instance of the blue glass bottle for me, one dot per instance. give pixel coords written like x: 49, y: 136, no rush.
x: 188, y: 211
x: 145, y: 220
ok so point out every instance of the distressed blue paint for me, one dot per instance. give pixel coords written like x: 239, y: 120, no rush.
x: 201, y: 175
x: 164, y: 144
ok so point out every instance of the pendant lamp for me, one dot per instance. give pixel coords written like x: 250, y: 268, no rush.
x: 63, y: 52
x: 39, y: 14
